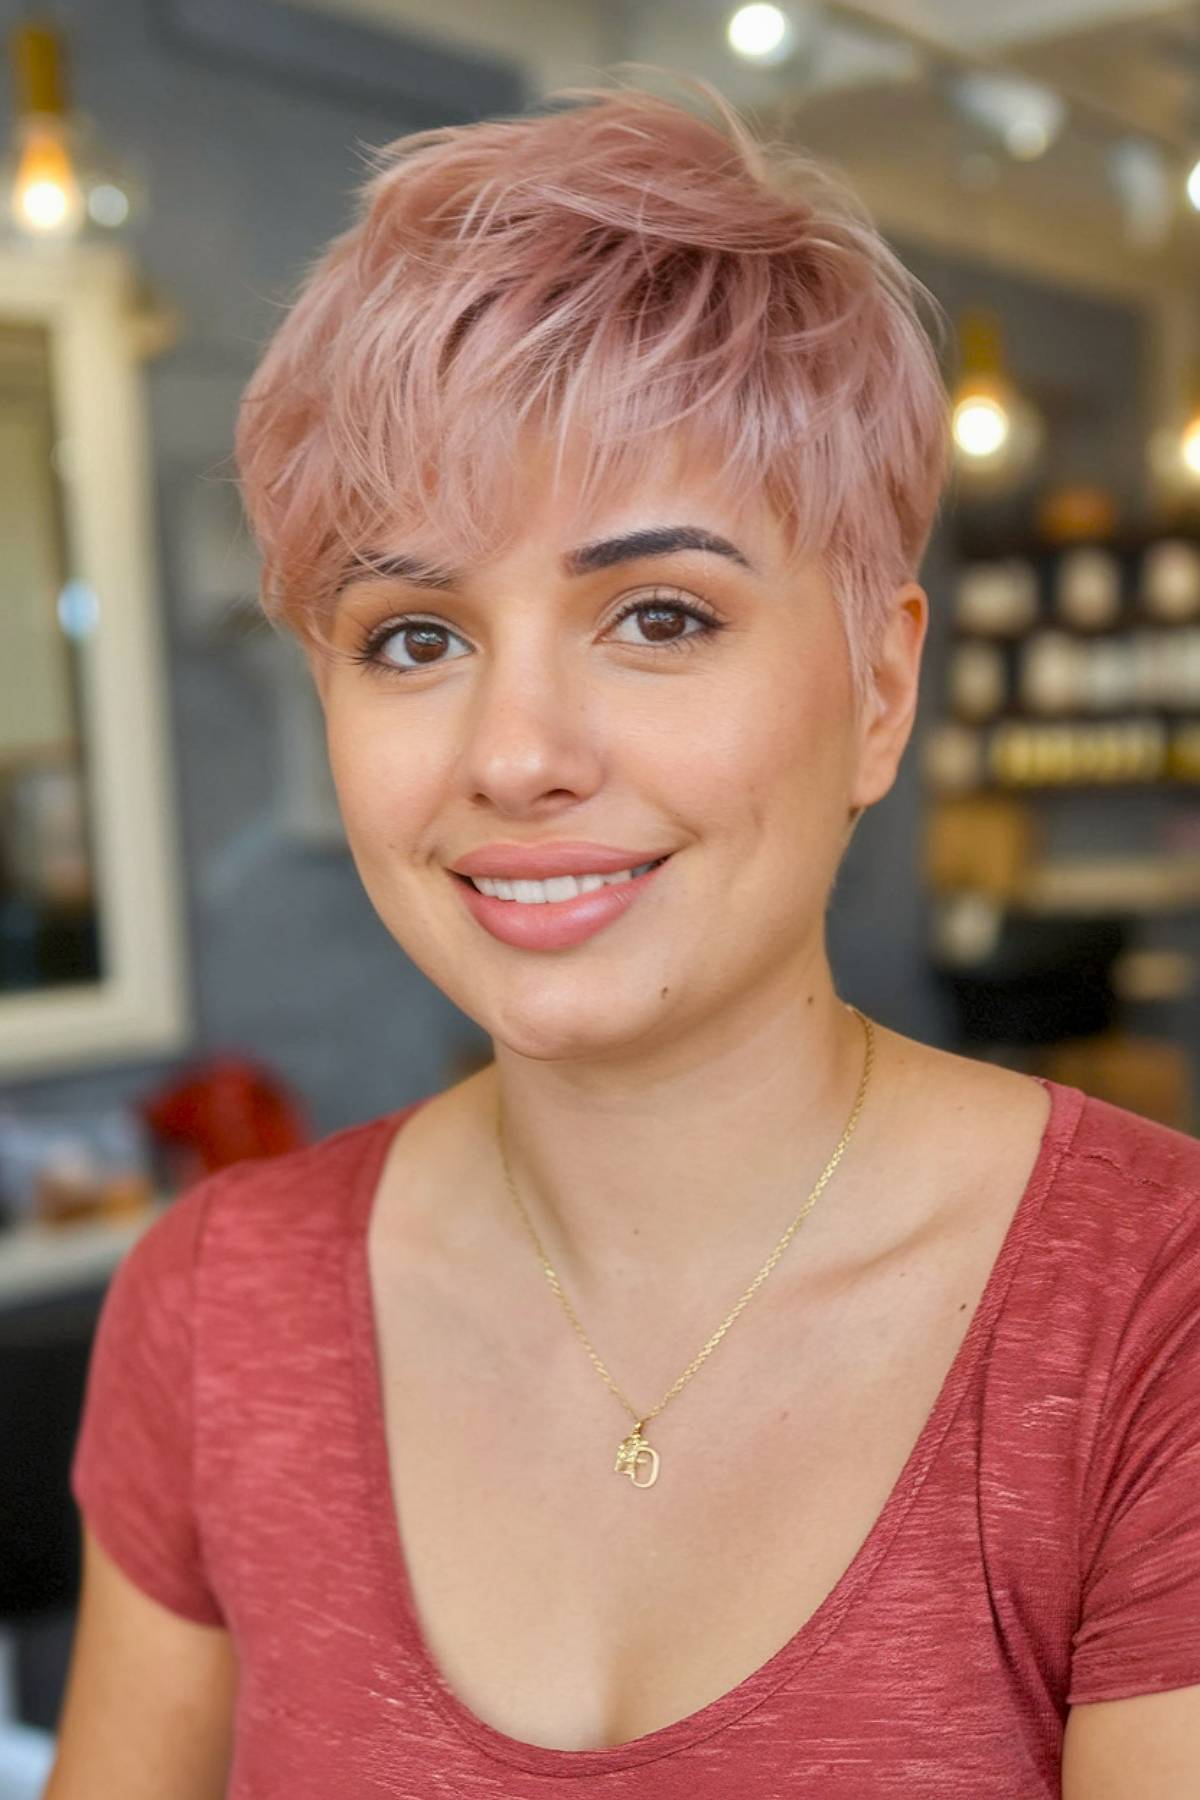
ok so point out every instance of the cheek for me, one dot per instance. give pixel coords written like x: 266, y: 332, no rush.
x: 773, y: 763
x: 387, y: 796
x: 381, y: 783
x: 355, y: 765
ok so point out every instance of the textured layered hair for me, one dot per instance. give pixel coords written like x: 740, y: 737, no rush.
x: 617, y: 271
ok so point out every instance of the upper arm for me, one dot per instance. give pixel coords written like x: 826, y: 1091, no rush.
x: 1135, y: 1650
x: 1143, y: 1748
x: 149, y: 1701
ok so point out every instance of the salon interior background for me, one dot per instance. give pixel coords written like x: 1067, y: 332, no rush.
x: 243, y: 116
x: 1029, y: 161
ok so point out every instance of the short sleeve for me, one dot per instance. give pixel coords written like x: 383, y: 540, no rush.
x: 131, y: 1472
x: 1139, y: 1628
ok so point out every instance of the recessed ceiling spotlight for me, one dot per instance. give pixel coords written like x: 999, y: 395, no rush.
x: 1023, y: 115
x: 1028, y: 136
x: 1189, y: 447
x: 1144, y: 184
x: 762, y: 34
x: 1193, y: 185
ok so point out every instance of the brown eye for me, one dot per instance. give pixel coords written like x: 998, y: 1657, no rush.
x: 424, y: 642
x: 662, y: 624
x: 404, y: 645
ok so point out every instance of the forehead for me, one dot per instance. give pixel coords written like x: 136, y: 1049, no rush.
x: 672, y: 499
x: 672, y: 479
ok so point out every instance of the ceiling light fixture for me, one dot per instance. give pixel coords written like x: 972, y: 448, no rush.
x: 1144, y: 183
x: 57, y: 182
x: 46, y: 198
x: 997, y: 433
x: 1193, y: 185
x: 1189, y: 446
x: 981, y: 419
x: 762, y: 34
x: 1023, y: 115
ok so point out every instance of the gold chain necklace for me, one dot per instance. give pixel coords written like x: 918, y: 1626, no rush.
x: 634, y: 1451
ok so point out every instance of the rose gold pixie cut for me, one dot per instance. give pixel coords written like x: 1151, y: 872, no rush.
x: 612, y: 273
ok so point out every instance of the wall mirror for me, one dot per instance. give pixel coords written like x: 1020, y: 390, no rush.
x: 92, y: 964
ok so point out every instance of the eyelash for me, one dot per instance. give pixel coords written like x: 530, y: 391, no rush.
x: 368, y: 651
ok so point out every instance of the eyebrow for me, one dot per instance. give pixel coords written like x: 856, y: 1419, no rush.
x: 656, y: 540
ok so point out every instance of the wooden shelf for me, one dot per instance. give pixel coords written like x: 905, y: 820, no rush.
x: 1102, y: 885
x: 39, y: 1260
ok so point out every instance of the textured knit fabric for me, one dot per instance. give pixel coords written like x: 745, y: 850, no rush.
x: 1041, y: 1546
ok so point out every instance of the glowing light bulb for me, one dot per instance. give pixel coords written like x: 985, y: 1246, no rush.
x: 1193, y: 184
x: 981, y: 425
x: 44, y: 204
x: 45, y: 197
x: 1027, y: 138
x: 758, y: 31
x: 1026, y: 117
x: 1189, y: 445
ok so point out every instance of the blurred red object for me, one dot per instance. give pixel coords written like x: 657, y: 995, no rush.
x: 222, y: 1112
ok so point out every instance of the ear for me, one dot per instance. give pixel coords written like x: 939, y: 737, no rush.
x: 890, y: 706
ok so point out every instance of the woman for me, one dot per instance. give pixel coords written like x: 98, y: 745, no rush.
x: 718, y: 1393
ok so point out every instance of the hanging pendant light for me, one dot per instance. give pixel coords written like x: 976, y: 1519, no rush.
x: 58, y: 183
x: 1189, y: 446
x: 982, y: 417
x: 995, y: 429
x: 1187, y: 442
x: 1173, y: 451
x: 1192, y: 185
x: 46, y: 198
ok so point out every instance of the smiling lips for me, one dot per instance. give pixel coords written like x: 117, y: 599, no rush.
x: 551, y: 896
x: 538, y: 862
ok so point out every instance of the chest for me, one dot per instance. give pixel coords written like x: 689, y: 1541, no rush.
x: 563, y: 1605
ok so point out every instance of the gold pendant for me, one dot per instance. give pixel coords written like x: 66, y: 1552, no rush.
x: 631, y: 1453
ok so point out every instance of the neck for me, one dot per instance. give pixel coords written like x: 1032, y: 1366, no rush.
x: 693, y: 1168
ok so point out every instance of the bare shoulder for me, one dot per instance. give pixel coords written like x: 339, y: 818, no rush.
x: 962, y: 1085
x: 978, y: 1125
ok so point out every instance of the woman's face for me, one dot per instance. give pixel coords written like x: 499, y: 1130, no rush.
x: 528, y: 705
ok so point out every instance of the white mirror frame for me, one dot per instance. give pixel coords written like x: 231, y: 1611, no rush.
x: 87, y: 297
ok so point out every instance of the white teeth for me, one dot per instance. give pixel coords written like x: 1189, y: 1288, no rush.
x: 559, y: 887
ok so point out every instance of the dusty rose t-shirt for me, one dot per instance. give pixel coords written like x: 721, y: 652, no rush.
x: 1041, y: 1546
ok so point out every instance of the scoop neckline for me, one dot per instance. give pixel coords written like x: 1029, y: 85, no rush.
x: 396, y: 1594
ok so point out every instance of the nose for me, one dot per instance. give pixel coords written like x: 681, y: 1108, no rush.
x: 530, y: 736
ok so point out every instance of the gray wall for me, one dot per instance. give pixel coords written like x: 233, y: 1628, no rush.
x: 250, y: 165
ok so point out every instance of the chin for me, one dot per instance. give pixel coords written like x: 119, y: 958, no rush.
x: 567, y: 1020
